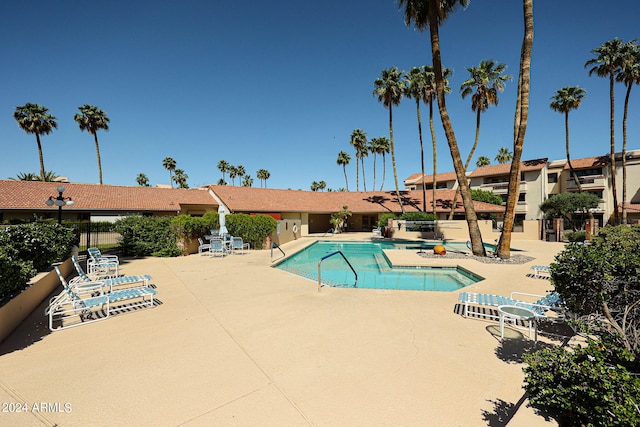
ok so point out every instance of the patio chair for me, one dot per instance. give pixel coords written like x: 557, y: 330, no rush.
x: 204, y: 247
x: 238, y: 246
x: 377, y: 232
x: 84, y: 279
x: 476, y: 304
x: 218, y: 248
x: 102, y: 264
x: 91, y: 303
x: 541, y: 271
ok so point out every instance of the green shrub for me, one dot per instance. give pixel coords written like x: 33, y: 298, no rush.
x: 189, y: 227
x: 39, y: 242
x: 576, y: 236
x: 486, y: 197
x: 418, y: 216
x: 144, y: 236
x: 384, y: 219
x: 253, y: 229
x: 14, y: 272
x: 590, y: 386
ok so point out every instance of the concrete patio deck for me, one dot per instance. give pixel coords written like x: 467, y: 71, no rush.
x: 234, y: 342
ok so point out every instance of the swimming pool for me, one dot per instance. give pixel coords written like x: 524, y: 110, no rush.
x: 373, y: 268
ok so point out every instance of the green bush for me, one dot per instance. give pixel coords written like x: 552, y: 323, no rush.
x: 418, y: 216
x: 189, y: 227
x: 144, y: 236
x: 576, y: 236
x: 486, y: 197
x: 253, y: 229
x: 14, y: 272
x: 590, y: 386
x: 384, y: 219
x: 39, y: 242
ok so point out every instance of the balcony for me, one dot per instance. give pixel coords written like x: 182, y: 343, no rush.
x: 502, y: 187
x: 594, y: 182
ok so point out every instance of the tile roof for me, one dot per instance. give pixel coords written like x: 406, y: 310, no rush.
x: 94, y: 197
x: 505, y: 168
x: 255, y: 200
x: 588, y: 162
x: 441, y: 177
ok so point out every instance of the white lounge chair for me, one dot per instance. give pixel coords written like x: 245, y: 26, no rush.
x: 84, y: 279
x: 541, y: 271
x: 473, y: 303
x: 102, y: 264
x: 238, y: 246
x: 91, y: 303
x: 218, y: 248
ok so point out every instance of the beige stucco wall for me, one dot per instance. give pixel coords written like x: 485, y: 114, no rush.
x: 458, y: 230
x: 287, y: 230
x: 16, y: 310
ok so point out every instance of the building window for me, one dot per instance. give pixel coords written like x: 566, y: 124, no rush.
x: 552, y: 178
x: 597, y: 193
x: 589, y: 172
x: 521, y: 197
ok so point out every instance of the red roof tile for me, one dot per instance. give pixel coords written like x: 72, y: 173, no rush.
x: 505, y: 168
x: 588, y: 162
x: 441, y: 177
x: 94, y: 197
x: 255, y: 200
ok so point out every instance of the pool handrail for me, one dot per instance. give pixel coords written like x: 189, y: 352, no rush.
x: 330, y: 255
x: 279, y: 248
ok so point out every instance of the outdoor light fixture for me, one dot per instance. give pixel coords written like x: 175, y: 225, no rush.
x: 59, y: 201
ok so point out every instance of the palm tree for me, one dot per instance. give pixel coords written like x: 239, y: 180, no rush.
x: 169, y: 164
x: 487, y: 79
x: 608, y: 63
x: 240, y: 172
x: 223, y: 166
x: 382, y: 146
x: 430, y: 14
x: 49, y: 176
x: 263, y: 175
x: 389, y: 88
x: 233, y: 172
x: 504, y: 155
x: 430, y: 78
x: 322, y: 185
x: 629, y: 75
x: 358, y: 140
x: 92, y: 119
x: 142, y: 180
x: 32, y: 118
x: 519, y: 130
x: 416, y: 88
x: 566, y: 99
x: 247, y: 181
x: 343, y: 159
x: 363, y: 151
x: 483, y: 161
x: 314, y: 186
x: 181, y: 178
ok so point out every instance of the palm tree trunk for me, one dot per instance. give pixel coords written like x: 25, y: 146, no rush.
x: 384, y: 170
x: 357, y: 173
x: 612, y: 154
x: 472, y: 220
x: 393, y: 156
x: 41, y: 157
x: 624, y: 154
x: 520, y: 128
x: 374, y: 171
x: 435, y: 154
x: 424, y: 190
x: 95, y: 138
x: 466, y: 165
x: 346, y: 181
x: 364, y: 179
x: 573, y: 172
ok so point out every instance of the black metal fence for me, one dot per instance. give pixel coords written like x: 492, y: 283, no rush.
x: 96, y: 234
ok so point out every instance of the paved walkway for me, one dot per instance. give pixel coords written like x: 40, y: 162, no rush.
x: 234, y: 342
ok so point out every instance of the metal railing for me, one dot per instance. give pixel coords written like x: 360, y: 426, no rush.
x: 343, y: 257
x: 331, y: 230
x: 274, y: 244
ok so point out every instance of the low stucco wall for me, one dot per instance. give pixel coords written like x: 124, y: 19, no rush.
x: 287, y: 230
x: 458, y: 230
x: 16, y: 310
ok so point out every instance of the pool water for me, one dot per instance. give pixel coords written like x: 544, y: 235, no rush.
x: 373, y: 268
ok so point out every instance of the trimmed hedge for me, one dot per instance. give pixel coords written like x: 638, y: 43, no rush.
x: 144, y: 236
x: 253, y: 229
x: 26, y: 249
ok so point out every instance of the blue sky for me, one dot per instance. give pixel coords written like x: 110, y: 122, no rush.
x: 281, y: 85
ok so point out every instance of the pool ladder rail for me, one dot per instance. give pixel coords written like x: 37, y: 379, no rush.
x: 277, y: 246
x: 329, y: 256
